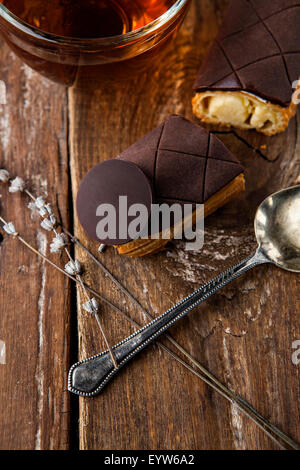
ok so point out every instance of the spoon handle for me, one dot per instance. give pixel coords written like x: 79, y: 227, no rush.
x: 87, y: 378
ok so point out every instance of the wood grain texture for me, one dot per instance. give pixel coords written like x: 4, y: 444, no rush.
x: 34, y: 301
x: 244, y: 334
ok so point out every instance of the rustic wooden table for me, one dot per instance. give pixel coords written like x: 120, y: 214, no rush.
x: 52, y: 136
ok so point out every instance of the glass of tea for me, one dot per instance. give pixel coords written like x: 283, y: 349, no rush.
x: 67, y: 40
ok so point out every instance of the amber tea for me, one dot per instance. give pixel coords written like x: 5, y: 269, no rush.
x: 88, y: 18
x: 73, y: 39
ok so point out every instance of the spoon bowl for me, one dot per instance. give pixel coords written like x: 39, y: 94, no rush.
x: 277, y: 228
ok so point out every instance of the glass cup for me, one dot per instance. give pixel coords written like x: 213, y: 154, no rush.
x: 72, y: 60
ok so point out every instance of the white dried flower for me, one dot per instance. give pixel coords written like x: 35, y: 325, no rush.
x: 43, y: 212
x: 46, y: 210
x: 4, y: 176
x: 39, y: 202
x: 48, y: 224
x: 58, y: 243
x: 91, y: 306
x: 17, y: 185
x: 49, y: 209
x: 31, y: 206
x: 73, y: 268
x: 40, y: 205
x: 10, y: 229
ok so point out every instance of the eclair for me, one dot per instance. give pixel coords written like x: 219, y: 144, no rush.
x: 249, y: 80
x: 176, y: 163
x: 184, y: 164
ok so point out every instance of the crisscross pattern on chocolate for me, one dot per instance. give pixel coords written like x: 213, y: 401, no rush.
x: 183, y: 161
x: 257, y: 50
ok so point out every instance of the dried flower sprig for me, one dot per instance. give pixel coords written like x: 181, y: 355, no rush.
x: 9, y: 228
x: 17, y: 185
x: 59, y: 243
x: 75, y: 267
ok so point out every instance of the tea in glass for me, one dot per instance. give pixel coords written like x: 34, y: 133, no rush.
x: 88, y: 18
x: 68, y: 39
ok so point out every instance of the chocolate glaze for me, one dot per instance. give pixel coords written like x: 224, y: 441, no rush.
x: 103, y: 185
x: 257, y: 50
x: 183, y: 161
x: 178, y: 162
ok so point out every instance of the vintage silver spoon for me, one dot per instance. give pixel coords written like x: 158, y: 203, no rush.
x: 277, y: 228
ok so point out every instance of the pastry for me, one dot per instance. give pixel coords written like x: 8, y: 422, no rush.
x: 185, y: 164
x: 250, y: 74
x: 178, y: 162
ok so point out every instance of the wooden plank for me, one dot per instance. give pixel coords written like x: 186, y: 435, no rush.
x: 244, y: 335
x: 34, y: 301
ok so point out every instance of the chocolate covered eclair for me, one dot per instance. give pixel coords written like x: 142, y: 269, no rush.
x: 252, y: 70
x: 178, y: 162
x: 184, y: 164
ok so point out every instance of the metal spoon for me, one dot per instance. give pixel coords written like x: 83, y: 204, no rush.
x: 277, y: 228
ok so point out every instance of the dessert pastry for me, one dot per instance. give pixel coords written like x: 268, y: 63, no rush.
x: 185, y: 164
x: 178, y: 162
x: 250, y: 74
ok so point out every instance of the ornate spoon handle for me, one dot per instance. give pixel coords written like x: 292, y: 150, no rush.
x: 87, y: 378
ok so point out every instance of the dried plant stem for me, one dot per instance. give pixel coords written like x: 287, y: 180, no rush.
x: 99, y: 323
x: 84, y: 291
x: 259, y: 421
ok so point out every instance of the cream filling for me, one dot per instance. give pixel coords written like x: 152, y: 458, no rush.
x: 239, y: 109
